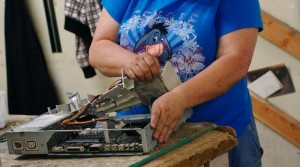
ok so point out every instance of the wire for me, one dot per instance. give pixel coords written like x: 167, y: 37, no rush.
x: 93, y: 120
x: 80, y: 111
x: 114, y: 83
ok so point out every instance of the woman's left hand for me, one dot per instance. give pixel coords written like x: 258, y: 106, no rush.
x: 166, y: 112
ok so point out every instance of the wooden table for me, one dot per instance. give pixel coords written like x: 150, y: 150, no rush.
x: 195, y: 153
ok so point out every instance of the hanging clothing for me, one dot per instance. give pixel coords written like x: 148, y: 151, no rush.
x: 81, y: 17
x: 29, y: 87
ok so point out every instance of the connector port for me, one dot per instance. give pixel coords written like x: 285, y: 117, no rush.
x: 31, y: 145
x: 18, y: 145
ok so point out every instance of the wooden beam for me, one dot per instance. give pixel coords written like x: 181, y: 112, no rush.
x: 277, y: 120
x: 281, y: 35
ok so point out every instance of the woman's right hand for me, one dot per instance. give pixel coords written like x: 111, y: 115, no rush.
x: 143, y: 67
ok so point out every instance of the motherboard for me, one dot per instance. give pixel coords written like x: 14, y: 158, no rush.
x: 90, y: 126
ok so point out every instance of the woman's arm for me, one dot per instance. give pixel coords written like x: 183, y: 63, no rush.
x: 110, y: 58
x: 233, y: 59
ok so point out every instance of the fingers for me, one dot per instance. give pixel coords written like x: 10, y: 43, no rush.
x: 170, y: 131
x: 153, y: 64
x: 146, y: 69
x: 166, y: 112
x: 143, y: 67
x: 135, y: 73
x: 163, y: 123
x: 166, y: 128
x: 155, y: 115
x: 158, y: 132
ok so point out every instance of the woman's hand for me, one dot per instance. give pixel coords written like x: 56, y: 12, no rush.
x: 166, y: 112
x: 143, y: 67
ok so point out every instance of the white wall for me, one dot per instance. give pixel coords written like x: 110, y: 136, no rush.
x: 287, y: 11
x: 267, y: 54
x: 2, y: 50
x: 278, y: 150
x: 3, y: 84
x: 63, y: 68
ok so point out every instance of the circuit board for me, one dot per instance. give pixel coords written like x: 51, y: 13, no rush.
x: 84, y: 127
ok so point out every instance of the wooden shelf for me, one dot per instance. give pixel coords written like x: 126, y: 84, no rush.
x: 281, y: 35
x: 276, y: 119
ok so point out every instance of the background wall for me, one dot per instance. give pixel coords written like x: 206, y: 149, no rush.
x: 2, y: 50
x: 266, y: 54
x: 287, y: 11
x: 68, y: 76
x: 63, y: 68
x: 278, y: 151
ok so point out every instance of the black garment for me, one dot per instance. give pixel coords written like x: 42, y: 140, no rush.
x: 29, y: 87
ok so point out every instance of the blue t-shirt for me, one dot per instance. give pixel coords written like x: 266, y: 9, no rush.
x: 186, y: 33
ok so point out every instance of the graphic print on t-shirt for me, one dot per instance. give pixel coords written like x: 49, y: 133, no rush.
x: 168, y: 38
x: 155, y: 42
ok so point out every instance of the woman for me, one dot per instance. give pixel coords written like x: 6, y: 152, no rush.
x: 209, y: 43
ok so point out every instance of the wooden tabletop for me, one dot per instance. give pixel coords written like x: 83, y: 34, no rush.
x: 195, y: 153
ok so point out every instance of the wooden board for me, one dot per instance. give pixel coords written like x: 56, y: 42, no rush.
x: 195, y: 153
x: 277, y: 120
x: 281, y: 35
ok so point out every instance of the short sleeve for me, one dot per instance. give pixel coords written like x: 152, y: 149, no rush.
x: 116, y: 8
x: 237, y: 14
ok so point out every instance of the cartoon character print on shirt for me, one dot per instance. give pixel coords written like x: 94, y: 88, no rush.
x: 167, y: 37
x: 155, y: 42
